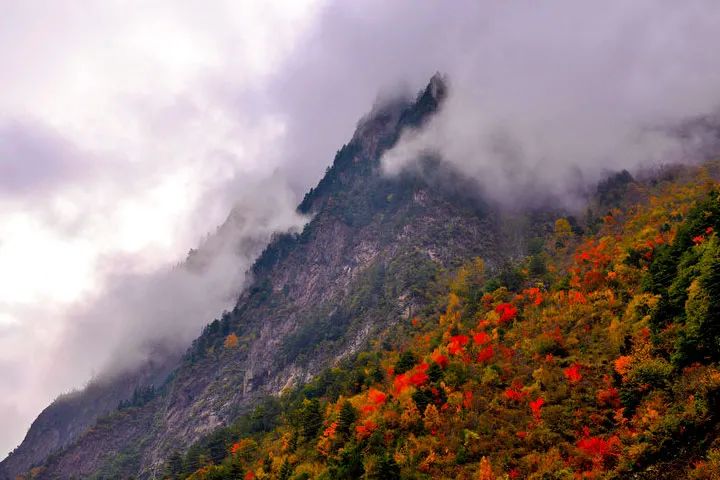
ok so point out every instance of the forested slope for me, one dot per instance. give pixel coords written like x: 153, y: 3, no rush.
x: 598, y: 358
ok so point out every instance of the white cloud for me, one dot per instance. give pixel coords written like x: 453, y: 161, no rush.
x: 139, y: 124
x: 549, y: 97
x: 141, y: 155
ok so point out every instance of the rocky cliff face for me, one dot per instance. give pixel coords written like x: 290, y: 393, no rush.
x: 71, y: 414
x: 374, y: 244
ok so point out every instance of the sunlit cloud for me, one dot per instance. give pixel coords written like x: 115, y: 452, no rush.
x: 119, y: 151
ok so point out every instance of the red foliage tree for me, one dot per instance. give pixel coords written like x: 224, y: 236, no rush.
x: 515, y: 393
x: 534, y: 295
x: 481, y: 338
x: 608, y: 396
x: 536, y: 408
x: 485, y: 354
x: 376, y: 396
x: 419, y: 378
x: 365, y: 429
x: 439, y: 358
x: 400, y: 383
x: 467, y: 398
x: 598, y: 448
x: 455, y: 347
x: 572, y: 373
x: 506, y: 311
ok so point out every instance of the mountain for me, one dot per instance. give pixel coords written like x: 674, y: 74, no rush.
x: 371, y: 256
x: 600, y: 360
x: 219, y: 258
x: 71, y: 414
x: 413, y: 329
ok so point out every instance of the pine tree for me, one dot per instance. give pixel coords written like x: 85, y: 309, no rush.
x: 349, y: 465
x: 346, y: 418
x: 435, y: 373
x: 173, y: 467
x: 406, y: 361
x: 311, y: 418
x: 285, y: 471
x: 386, y: 469
x: 217, y: 448
x: 267, y: 464
x: 236, y: 471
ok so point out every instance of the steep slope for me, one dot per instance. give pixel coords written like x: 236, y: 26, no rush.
x: 239, y: 239
x: 602, y: 362
x: 63, y: 421
x: 369, y: 257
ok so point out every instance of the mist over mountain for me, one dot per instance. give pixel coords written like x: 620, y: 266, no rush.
x: 178, y: 242
x: 540, y: 109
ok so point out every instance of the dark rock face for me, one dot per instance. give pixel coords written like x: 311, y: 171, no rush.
x: 70, y: 415
x: 373, y: 247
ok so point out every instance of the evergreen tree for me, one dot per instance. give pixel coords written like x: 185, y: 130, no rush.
x: 293, y: 443
x: 406, y: 361
x: 267, y: 464
x: 701, y: 338
x: 349, y: 466
x: 217, y: 447
x: 346, y: 418
x: 386, y: 469
x: 422, y: 399
x: 435, y: 373
x: 173, y: 466
x: 285, y: 471
x: 310, y: 418
x: 236, y: 470
x: 377, y: 375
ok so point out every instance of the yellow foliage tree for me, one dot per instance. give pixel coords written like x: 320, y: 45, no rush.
x: 452, y: 312
x: 563, y: 232
x: 485, y: 471
x: 231, y: 341
x: 471, y: 273
x: 410, y: 414
x: 432, y: 420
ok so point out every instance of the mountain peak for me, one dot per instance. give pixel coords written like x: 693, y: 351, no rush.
x: 438, y: 85
x: 376, y: 132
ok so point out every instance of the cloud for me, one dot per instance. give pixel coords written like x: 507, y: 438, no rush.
x: 131, y: 130
x: 33, y: 157
x: 549, y: 97
x: 139, y: 312
x: 139, y: 315
x: 127, y: 132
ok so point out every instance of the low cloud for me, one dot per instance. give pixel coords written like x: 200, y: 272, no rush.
x: 139, y: 315
x: 127, y: 133
x: 140, y: 312
x: 55, y: 160
x: 550, y: 97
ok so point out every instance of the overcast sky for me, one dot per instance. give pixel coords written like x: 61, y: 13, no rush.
x: 129, y: 130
